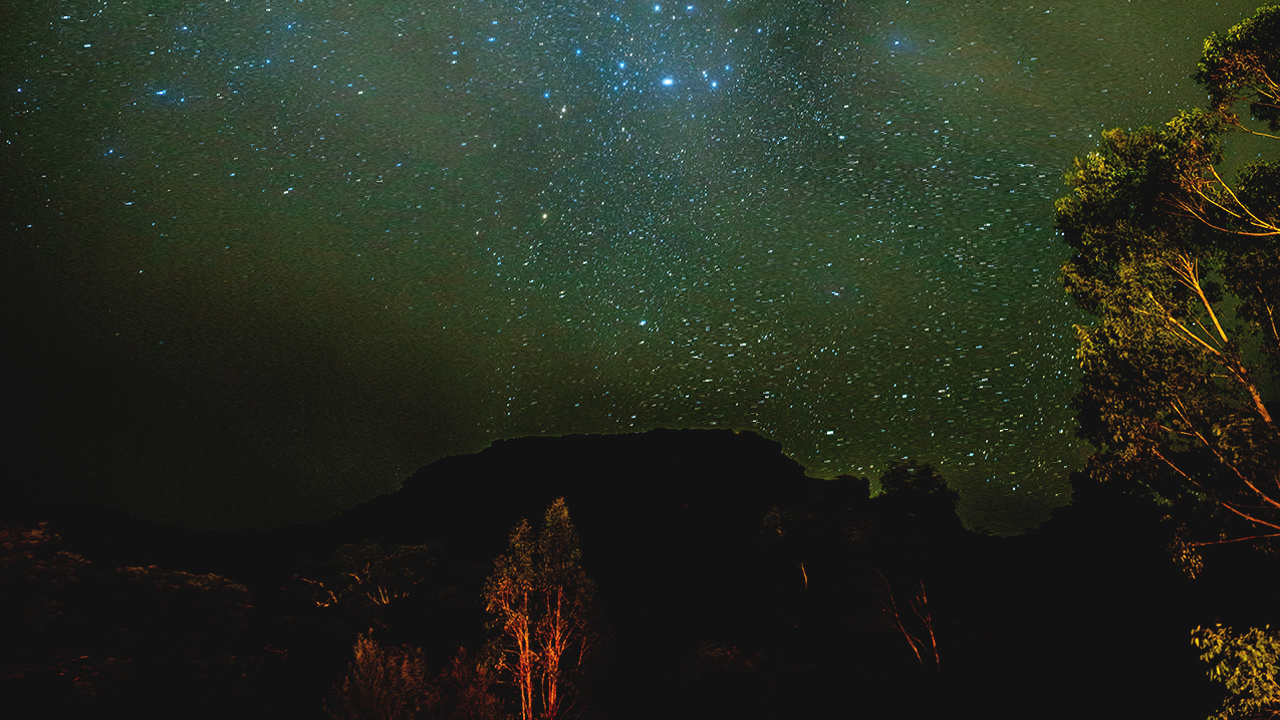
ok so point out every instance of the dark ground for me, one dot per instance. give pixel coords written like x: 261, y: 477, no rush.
x: 729, y: 585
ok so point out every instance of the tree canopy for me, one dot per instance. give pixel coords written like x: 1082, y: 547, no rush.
x: 1181, y: 270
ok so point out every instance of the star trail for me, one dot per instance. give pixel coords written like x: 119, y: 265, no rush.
x: 271, y: 257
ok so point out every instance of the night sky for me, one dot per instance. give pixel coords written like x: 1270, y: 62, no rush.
x: 262, y: 260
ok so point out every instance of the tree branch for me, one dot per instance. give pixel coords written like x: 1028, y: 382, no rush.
x: 1248, y: 517
x: 1202, y: 543
x: 1256, y: 220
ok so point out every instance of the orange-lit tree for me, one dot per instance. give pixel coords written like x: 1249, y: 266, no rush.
x: 542, y: 604
x: 1181, y: 269
x: 389, y: 683
x: 915, y: 626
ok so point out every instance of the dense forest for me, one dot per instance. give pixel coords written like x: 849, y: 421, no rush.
x: 693, y: 573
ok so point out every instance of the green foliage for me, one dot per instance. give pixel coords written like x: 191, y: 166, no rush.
x: 1182, y: 274
x: 1181, y: 270
x: 1241, y: 66
x: 1248, y: 664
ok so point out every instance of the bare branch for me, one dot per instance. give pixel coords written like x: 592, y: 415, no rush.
x: 1250, y: 518
x: 1202, y: 543
x: 1256, y: 220
x: 1270, y: 316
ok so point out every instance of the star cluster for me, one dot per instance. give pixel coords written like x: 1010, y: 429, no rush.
x: 829, y: 222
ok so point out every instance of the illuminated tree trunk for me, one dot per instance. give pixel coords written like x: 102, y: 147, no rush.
x: 542, y: 607
x: 919, y: 633
x: 507, y: 598
x: 554, y: 641
x: 524, y: 656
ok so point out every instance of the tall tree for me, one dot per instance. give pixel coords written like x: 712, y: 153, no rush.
x: 542, y: 604
x: 1182, y: 271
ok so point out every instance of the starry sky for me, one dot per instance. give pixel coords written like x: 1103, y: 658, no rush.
x: 264, y: 259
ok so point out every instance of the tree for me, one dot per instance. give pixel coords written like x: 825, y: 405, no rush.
x: 913, y: 620
x: 1182, y: 271
x: 467, y: 690
x: 366, y: 579
x: 1248, y: 664
x: 383, y: 683
x: 542, y: 604
x: 919, y: 483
